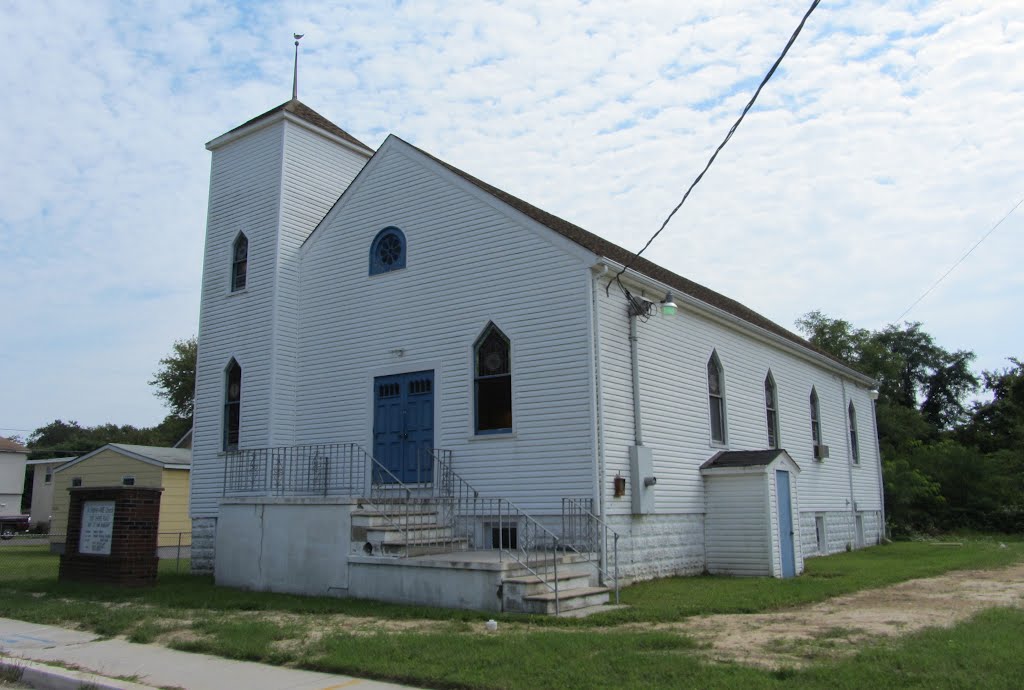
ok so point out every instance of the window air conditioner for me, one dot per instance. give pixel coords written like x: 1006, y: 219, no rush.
x: 820, y: 452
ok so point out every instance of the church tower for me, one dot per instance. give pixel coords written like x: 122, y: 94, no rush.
x: 272, y: 179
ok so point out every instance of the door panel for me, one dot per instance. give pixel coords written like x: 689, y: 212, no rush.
x: 403, y: 425
x: 785, y: 522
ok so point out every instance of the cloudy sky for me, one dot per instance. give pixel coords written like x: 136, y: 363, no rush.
x: 889, y: 142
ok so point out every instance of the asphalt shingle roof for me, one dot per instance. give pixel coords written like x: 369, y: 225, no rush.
x: 742, y: 458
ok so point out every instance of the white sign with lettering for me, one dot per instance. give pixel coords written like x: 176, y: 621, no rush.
x: 97, y: 527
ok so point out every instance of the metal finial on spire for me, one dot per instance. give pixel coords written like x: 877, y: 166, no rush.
x: 295, y: 73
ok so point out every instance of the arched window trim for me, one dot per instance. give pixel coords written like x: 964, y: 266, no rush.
x: 388, y: 251
x: 854, y: 436
x: 771, y: 408
x: 239, y: 262
x: 815, y: 418
x: 232, y: 419
x: 492, y: 382
x: 716, y: 401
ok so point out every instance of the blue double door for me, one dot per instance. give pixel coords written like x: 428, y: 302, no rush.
x: 403, y: 426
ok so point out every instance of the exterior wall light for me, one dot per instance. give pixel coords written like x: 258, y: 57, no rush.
x: 668, y: 305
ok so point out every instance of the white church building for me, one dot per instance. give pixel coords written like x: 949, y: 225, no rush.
x: 413, y: 386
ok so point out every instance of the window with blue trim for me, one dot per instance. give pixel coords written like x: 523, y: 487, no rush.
x: 387, y: 253
x: 493, y: 382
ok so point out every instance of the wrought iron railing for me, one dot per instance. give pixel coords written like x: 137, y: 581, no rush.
x: 325, y: 469
x: 587, y: 535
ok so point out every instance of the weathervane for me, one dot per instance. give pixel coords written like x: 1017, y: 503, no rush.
x: 295, y: 74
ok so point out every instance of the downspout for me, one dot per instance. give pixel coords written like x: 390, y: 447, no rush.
x: 878, y: 454
x: 849, y: 467
x: 595, y: 324
x: 634, y: 366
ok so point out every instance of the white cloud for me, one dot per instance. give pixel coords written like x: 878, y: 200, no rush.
x: 888, y: 143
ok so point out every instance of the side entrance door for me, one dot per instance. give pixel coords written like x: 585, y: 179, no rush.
x: 403, y: 425
x: 785, y: 504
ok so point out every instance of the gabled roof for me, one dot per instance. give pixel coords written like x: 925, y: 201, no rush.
x: 604, y: 248
x: 10, y: 446
x: 743, y: 458
x: 304, y: 112
x: 171, y: 458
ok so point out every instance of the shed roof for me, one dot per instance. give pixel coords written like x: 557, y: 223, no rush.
x: 742, y: 458
x: 172, y: 458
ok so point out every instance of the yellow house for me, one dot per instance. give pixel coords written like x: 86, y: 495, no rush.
x: 120, y: 464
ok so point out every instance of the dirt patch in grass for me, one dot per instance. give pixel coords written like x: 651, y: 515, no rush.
x: 842, y: 625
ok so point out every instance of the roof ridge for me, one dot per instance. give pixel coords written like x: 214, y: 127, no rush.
x: 304, y: 112
x: 605, y: 248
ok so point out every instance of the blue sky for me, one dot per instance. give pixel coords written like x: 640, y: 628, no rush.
x: 888, y: 143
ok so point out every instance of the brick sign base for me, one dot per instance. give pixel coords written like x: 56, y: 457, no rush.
x: 132, y: 557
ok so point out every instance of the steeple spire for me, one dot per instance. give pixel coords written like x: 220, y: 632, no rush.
x: 295, y: 73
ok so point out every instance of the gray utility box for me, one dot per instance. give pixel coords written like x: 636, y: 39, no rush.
x: 641, y: 479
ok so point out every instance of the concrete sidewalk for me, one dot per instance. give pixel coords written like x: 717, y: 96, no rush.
x: 47, y: 653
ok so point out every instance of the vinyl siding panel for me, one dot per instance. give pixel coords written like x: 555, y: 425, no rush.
x: 467, y: 264
x: 103, y: 469
x: 673, y: 356
x: 738, y: 534
x: 174, y: 518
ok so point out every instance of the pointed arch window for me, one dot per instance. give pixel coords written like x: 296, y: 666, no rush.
x: 771, y: 407
x: 387, y: 253
x: 716, y: 398
x: 492, y: 373
x: 854, y: 445
x: 815, y: 418
x: 232, y: 405
x: 239, y: 262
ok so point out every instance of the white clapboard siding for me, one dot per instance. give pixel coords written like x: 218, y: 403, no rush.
x: 273, y: 184
x: 673, y: 356
x: 468, y: 263
x: 738, y: 534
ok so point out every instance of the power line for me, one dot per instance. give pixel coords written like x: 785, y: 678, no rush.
x: 958, y: 262
x: 732, y: 130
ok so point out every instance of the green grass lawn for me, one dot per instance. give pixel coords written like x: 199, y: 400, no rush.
x: 446, y: 649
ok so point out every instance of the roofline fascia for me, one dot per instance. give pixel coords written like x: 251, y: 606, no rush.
x: 286, y: 116
x: 119, y: 449
x: 730, y: 319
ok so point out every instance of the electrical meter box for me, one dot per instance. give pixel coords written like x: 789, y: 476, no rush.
x: 641, y: 479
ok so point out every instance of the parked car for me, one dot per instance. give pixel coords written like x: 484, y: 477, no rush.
x: 13, y: 524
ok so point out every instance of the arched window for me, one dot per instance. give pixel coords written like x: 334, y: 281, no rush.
x: 716, y: 398
x: 239, y: 262
x: 854, y: 446
x: 387, y: 253
x: 815, y: 419
x: 232, y: 405
x: 492, y: 373
x: 771, y: 407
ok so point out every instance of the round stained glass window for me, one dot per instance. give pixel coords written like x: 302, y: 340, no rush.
x: 389, y: 251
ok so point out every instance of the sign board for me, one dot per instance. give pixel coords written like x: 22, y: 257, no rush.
x: 97, y: 527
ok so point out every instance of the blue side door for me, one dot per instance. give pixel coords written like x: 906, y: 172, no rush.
x: 403, y: 425
x: 785, y: 522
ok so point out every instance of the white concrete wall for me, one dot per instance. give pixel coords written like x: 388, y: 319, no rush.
x: 285, y: 545
x: 738, y: 533
x: 659, y: 545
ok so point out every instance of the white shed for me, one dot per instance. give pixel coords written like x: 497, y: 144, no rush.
x: 752, y: 508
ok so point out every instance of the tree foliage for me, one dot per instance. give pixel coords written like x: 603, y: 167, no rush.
x: 947, y: 463
x: 175, y: 380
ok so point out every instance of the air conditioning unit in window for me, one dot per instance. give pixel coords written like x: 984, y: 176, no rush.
x: 820, y: 452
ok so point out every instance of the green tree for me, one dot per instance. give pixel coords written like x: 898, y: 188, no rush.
x: 175, y: 380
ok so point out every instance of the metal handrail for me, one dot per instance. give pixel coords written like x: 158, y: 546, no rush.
x: 322, y: 469
x: 582, y: 531
x: 515, y: 532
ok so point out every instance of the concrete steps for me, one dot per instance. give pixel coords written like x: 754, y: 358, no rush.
x: 525, y: 592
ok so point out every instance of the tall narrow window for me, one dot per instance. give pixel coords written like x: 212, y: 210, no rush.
x: 493, y: 382
x: 854, y: 446
x: 232, y: 406
x: 771, y: 407
x: 815, y: 419
x: 239, y: 262
x: 716, y: 398
x: 387, y: 253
